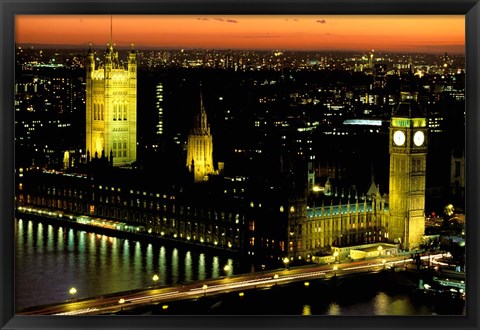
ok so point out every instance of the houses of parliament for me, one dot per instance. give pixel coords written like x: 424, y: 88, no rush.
x: 231, y: 212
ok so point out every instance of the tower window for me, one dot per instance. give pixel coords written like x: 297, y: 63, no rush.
x: 120, y: 107
x: 457, y: 168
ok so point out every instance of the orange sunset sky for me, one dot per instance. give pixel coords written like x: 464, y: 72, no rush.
x: 432, y: 34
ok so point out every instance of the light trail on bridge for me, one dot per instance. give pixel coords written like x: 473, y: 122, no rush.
x: 112, y: 305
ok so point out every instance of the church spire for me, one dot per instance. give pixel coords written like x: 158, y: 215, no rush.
x: 201, y: 125
x: 200, y: 159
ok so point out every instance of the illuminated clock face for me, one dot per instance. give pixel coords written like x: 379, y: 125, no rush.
x: 418, y: 138
x: 399, y: 138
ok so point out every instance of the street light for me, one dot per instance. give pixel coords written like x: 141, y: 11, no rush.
x: 205, y: 287
x: 380, y: 248
x: 72, y: 292
x: 226, y: 269
x: 121, y: 302
x: 335, y: 254
x: 384, y: 263
x: 316, y: 190
x: 155, y: 278
x: 286, y: 261
x: 275, y: 277
x: 335, y: 268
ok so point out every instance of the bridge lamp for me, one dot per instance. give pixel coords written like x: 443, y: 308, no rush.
x: 205, y: 287
x: 286, y: 261
x: 335, y: 254
x: 335, y: 268
x: 155, y: 278
x: 121, y: 302
x: 384, y: 263
x: 72, y: 291
x: 275, y: 277
x: 226, y: 269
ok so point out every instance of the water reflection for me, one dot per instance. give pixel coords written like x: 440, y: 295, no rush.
x: 201, y: 267
x: 188, y: 267
x: 381, y: 303
x: 333, y: 309
x: 51, y: 259
x: 306, y: 310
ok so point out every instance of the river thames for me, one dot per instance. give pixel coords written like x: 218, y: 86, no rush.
x: 50, y: 259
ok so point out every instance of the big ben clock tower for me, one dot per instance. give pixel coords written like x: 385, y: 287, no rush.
x: 408, y: 154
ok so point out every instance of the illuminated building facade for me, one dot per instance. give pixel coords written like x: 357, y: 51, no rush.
x: 342, y: 218
x: 339, y: 218
x: 111, y: 115
x: 200, y: 147
x: 120, y: 195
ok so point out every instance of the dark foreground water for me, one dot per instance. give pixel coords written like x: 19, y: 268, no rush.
x: 51, y: 259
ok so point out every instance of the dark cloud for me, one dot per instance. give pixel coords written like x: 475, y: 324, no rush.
x: 218, y: 19
x: 321, y: 21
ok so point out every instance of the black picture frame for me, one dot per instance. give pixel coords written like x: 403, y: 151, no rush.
x: 10, y: 8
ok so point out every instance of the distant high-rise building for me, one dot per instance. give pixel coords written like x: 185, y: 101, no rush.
x: 111, y: 116
x: 200, y: 147
x: 371, y: 59
x: 159, y: 106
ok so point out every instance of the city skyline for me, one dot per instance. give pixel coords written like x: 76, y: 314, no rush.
x: 330, y: 161
x: 427, y: 34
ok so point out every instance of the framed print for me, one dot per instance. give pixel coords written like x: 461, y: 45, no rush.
x: 239, y: 165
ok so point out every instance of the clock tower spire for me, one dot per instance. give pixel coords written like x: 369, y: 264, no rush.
x: 408, y: 155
